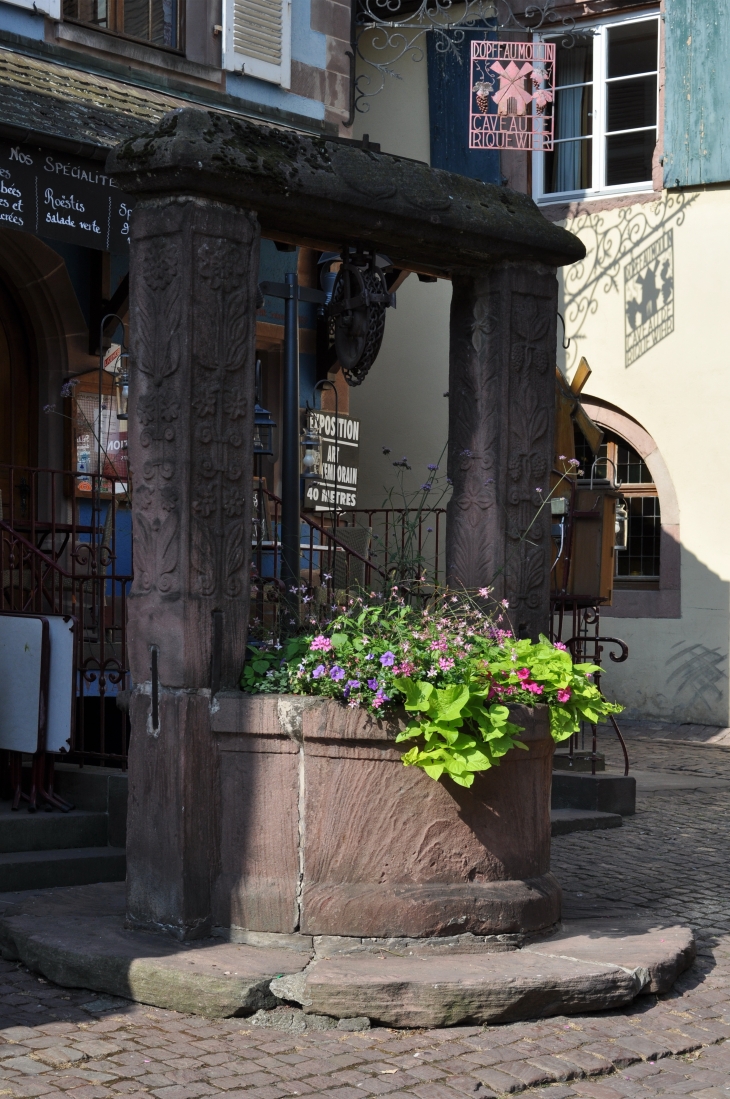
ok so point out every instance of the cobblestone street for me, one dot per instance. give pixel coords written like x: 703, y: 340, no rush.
x: 668, y: 861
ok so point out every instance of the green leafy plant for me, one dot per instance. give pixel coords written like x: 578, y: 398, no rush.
x: 451, y: 665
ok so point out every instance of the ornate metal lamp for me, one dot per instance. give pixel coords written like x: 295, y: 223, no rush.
x: 312, y: 448
x: 263, y: 424
x: 121, y: 387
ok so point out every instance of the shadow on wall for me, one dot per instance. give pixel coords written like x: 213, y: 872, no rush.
x: 677, y: 668
x: 630, y: 251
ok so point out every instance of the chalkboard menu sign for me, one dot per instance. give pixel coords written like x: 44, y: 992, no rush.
x: 64, y: 197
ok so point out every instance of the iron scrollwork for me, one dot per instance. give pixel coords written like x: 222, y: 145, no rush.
x: 395, y: 29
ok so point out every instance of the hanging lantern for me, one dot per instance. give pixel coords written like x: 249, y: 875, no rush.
x: 312, y: 447
x: 263, y: 431
x: 121, y: 388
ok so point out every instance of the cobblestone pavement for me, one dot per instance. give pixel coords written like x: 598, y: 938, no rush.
x: 669, y: 861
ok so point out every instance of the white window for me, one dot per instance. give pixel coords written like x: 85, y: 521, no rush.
x: 257, y: 39
x: 42, y: 7
x: 605, y: 113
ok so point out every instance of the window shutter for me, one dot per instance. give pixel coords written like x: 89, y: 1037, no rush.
x: 258, y: 39
x: 696, y: 138
x: 41, y: 7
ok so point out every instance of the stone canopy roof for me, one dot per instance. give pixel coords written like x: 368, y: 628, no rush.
x: 324, y: 193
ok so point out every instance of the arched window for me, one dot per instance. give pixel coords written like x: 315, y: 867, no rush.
x: 654, y: 541
x: 639, y: 565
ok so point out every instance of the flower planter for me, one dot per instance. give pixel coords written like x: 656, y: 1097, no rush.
x: 325, y: 832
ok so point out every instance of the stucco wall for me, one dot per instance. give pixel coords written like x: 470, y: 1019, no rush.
x: 401, y: 402
x: 679, y: 391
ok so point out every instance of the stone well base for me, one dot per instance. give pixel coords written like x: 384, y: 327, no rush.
x: 76, y: 937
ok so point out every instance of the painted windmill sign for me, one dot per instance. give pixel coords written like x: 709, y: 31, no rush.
x: 512, y: 92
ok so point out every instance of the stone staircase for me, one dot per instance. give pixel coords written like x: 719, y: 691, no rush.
x: 41, y: 850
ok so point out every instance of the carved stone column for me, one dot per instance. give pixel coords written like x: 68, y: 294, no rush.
x: 501, y: 425
x: 194, y: 272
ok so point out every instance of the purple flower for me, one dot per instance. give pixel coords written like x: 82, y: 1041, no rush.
x: 433, y: 468
x: 427, y: 487
x: 337, y: 673
x: 352, y: 684
x: 373, y: 684
x: 318, y: 671
x: 388, y: 659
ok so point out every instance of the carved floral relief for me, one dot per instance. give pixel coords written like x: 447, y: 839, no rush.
x: 220, y: 407
x: 157, y: 362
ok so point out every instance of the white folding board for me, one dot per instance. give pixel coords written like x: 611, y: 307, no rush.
x: 60, y: 682
x: 24, y: 663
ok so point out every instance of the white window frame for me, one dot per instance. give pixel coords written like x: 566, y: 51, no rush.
x: 40, y: 7
x: 598, y: 136
x: 234, y: 61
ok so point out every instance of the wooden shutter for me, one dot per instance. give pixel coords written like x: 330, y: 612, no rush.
x: 41, y: 7
x: 696, y: 104
x: 258, y: 39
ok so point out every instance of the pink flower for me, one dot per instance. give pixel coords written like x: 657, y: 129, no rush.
x: 560, y: 645
x: 446, y: 663
x: 439, y: 646
x: 534, y: 688
x: 406, y: 668
x: 523, y: 674
x: 321, y: 644
x: 484, y: 592
x: 564, y: 695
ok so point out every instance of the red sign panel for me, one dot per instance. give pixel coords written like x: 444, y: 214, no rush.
x: 512, y: 93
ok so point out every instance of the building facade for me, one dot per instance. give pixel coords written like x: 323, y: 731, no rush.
x: 76, y: 78
x: 639, y: 171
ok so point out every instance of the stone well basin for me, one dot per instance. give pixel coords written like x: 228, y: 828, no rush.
x: 324, y: 831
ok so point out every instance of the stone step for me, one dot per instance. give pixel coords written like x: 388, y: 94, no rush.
x: 71, y: 866
x: 77, y: 937
x: 42, y: 831
x: 602, y: 793
x: 99, y: 790
x: 564, y: 821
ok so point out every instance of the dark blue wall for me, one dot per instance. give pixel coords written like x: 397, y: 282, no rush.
x: 449, y: 96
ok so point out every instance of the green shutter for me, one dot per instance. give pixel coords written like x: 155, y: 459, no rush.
x: 696, y: 115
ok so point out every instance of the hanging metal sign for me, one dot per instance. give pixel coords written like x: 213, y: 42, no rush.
x: 338, y: 462
x: 512, y: 91
x: 64, y: 197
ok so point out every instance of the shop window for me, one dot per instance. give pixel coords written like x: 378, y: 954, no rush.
x: 605, y: 112
x: 637, y: 566
x: 153, y: 21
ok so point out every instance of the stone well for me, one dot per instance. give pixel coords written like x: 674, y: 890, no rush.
x: 236, y: 820
x: 322, y: 830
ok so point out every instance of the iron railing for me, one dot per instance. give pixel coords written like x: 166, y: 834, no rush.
x: 360, y: 550
x: 66, y: 548
x: 576, y: 623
